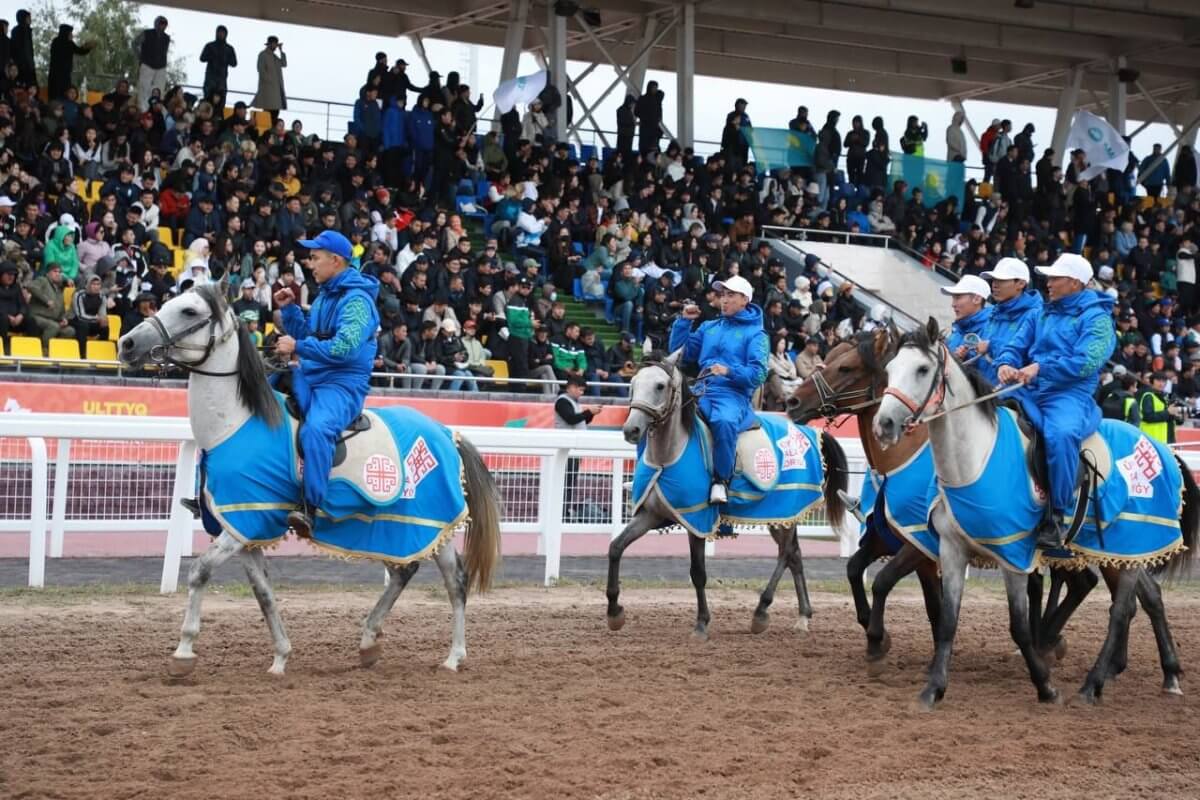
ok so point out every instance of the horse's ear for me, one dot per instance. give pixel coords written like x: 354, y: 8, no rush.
x: 673, y: 359
x: 223, y: 288
x: 893, y: 331
x: 931, y: 330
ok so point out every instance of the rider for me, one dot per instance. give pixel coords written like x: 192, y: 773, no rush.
x: 971, y: 314
x: 1016, y: 307
x: 1059, y: 360
x: 336, y: 349
x: 732, y: 352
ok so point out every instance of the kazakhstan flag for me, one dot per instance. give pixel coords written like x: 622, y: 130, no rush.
x: 936, y: 179
x: 775, y: 148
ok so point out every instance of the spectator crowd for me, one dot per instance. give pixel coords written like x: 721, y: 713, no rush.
x: 477, y: 237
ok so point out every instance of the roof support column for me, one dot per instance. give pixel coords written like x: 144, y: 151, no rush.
x: 514, y: 39
x: 685, y: 72
x: 637, y: 68
x: 1118, y: 96
x: 556, y: 59
x: 1191, y: 112
x: 1068, y: 100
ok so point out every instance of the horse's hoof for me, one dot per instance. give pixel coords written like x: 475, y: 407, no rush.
x: 760, y: 623
x: 180, y: 667
x: 1083, y: 698
x: 1171, y: 687
x: 801, y: 627
x: 876, y: 667
x: 367, y: 656
x: 700, y: 635
x: 926, y: 701
x: 615, y: 623
x: 450, y: 666
x: 1051, y: 696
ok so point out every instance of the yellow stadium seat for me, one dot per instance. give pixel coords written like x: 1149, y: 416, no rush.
x: 94, y: 97
x: 93, y: 192
x: 166, y: 236
x: 25, y: 347
x: 114, y: 327
x: 1145, y: 203
x: 262, y: 120
x: 81, y: 187
x: 984, y: 191
x: 269, y: 330
x: 499, y: 371
x: 102, y: 350
x: 180, y: 256
x: 66, y: 353
x: 68, y: 296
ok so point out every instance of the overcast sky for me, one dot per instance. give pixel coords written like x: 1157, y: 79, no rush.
x: 329, y: 65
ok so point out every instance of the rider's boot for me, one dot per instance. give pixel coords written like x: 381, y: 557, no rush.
x: 300, y: 521
x: 718, y: 494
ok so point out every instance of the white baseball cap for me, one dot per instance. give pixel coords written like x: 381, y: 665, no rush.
x: 736, y: 284
x: 969, y: 284
x: 1069, y: 265
x: 5, y: 200
x: 1008, y: 269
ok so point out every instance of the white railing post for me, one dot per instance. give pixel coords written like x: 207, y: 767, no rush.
x: 551, y: 511
x: 179, y: 528
x: 37, y: 517
x: 617, y: 497
x: 58, y: 518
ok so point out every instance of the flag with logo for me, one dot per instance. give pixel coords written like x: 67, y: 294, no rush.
x: 775, y: 148
x: 936, y: 179
x: 521, y: 90
x: 1101, y: 143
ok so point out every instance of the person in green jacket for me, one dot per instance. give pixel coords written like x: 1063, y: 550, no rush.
x: 60, y: 250
x: 48, y: 306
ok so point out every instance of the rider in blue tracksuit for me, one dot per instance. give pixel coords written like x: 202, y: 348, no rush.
x: 1059, y: 361
x: 1017, y: 307
x: 971, y: 314
x: 732, y: 352
x: 336, y: 349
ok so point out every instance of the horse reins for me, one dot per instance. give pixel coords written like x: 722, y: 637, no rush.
x: 161, y: 352
x: 936, y: 395
x: 658, y: 414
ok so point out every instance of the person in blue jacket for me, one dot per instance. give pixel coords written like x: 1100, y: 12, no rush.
x: 395, y: 142
x: 1017, y: 307
x: 968, y: 298
x: 421, y: 126
x: 1058, y: 361
x: 335, y: 345
x: 368, y: 118
x: 732, y: 353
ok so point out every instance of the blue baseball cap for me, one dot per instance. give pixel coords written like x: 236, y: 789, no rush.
x: 332, y: 241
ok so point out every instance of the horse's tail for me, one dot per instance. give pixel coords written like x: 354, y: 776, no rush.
x: 837, y: 478
x: 1189, y: 522
x: 482, y: 551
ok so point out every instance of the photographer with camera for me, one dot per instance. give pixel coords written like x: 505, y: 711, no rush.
x: 1158, y: 414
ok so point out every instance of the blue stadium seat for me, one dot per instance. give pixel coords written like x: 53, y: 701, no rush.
x: 587, y: 152
x: 577, y: 289
x: 572, y: 153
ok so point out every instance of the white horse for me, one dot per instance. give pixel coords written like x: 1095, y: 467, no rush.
x: 227, y: 389
x: 963, y: 440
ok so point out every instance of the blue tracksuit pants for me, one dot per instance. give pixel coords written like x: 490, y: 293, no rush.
x: 328, y: 409
x: 1065, y: 420
x: 728, y: 414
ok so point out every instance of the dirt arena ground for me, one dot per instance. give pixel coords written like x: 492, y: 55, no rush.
x: 552, y: 704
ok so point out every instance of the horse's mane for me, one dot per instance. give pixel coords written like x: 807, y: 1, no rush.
x: 253, y: 390
x: 920, y: 339
x: 865, y: 345
x: 687, y: 404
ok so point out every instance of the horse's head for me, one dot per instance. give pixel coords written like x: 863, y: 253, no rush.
x: 183, y: 332
x: 850, y: 379
x: 655, y: 392
x: 918, y: 370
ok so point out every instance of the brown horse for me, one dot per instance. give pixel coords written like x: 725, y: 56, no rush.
x: 851, y: 383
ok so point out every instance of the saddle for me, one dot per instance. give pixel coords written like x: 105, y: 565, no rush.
x: 360, y: 424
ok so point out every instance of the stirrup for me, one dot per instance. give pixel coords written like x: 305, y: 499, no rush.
x: 300, y: 523
x: 192, y: 504
x: 853, y: 506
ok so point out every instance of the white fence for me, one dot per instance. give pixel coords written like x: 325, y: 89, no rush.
x: 127, y: 474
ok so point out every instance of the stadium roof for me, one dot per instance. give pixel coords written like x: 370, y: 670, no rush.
x: 914, y: 48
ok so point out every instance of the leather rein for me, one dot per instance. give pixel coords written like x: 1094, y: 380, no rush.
x: 161, y: 353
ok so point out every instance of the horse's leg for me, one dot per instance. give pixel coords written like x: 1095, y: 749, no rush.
x: 1018, y: 587
x: 931, y: 589
x: 952, y: 556
x: 1120, y: 656
x: 796, y: 565
x: 762, y: 618
x: 856, y: 567
x: 901, y: 564
x: 1150, y: 595
x: 225, y: 547
x: 1034, y: 596
x: 642, y: 522
x: 1079, y: 584
x: 1057, y: 579
x: 454, y: 575
x: 369, y: 649
x: 255, y: 563
x: 1119, y: 614
x: 699, y: 580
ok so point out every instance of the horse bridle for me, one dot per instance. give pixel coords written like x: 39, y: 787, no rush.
x: 934, y: 399
x: 161, y: 352
x: 830, y: 407
x: 659, y: 413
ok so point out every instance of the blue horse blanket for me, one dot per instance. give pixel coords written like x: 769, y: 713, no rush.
x: 380, y: 504
x: 1138, y: 507
x: 899, y: 504
x: 781, y: 485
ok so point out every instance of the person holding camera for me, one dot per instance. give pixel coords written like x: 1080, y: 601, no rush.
x: 1158, y: 414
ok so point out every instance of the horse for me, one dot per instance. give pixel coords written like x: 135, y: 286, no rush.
x: 972, y: 436
x: 230, y: 401
x: 851, y: 383
x: 665, y: 424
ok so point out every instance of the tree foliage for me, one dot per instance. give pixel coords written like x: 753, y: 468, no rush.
x: 111, y: 25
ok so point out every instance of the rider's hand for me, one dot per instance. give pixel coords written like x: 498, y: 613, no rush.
x: 960, y: 352
x: 1007, y: 374
x: 719, y: 369
x: 283, y: 298
x: 691, y: 311
x: 285, y: 345
x: 981, y: 348
x: 1028, y: 373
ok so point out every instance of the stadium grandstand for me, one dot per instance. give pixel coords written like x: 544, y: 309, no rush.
x: 512, y: 254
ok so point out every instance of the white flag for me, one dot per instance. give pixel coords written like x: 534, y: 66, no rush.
x: 519, y: 90
x: 1103, y: 147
